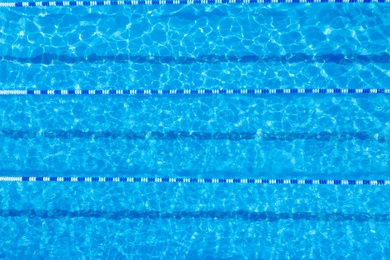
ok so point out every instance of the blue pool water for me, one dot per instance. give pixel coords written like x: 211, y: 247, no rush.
x: 297, y: 136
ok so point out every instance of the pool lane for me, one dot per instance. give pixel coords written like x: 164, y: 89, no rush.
x: 316, y: 137
x: 157, y: 218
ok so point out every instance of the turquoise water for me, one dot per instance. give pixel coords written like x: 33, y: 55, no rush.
x: 195, y: 47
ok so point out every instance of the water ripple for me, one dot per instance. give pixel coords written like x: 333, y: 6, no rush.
x: 50, y: 58
x: 269, y: 216
x: 179, y: 135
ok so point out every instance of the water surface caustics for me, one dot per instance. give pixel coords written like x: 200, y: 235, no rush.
x: 152, y: 220
x: 223, y: 136
x: 175, y: 47
x: 195, y: 47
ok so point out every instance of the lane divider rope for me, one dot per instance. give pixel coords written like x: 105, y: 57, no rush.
x: 175, y: 2
x: 196, y: 91
x: 195, y: 180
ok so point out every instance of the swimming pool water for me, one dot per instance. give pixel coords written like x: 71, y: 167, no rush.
x: 196, y: 46
x: 297, y: 136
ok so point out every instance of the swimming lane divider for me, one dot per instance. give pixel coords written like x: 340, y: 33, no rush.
x: 175, y: 2
x: 195, y: 180
x: 156, y: 92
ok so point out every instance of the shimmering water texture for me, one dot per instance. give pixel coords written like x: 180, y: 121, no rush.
x: 196, y: 47
x: 253, y: 49
x: 189, y: 221
x: 205, y: 136
x: 329, y: 135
